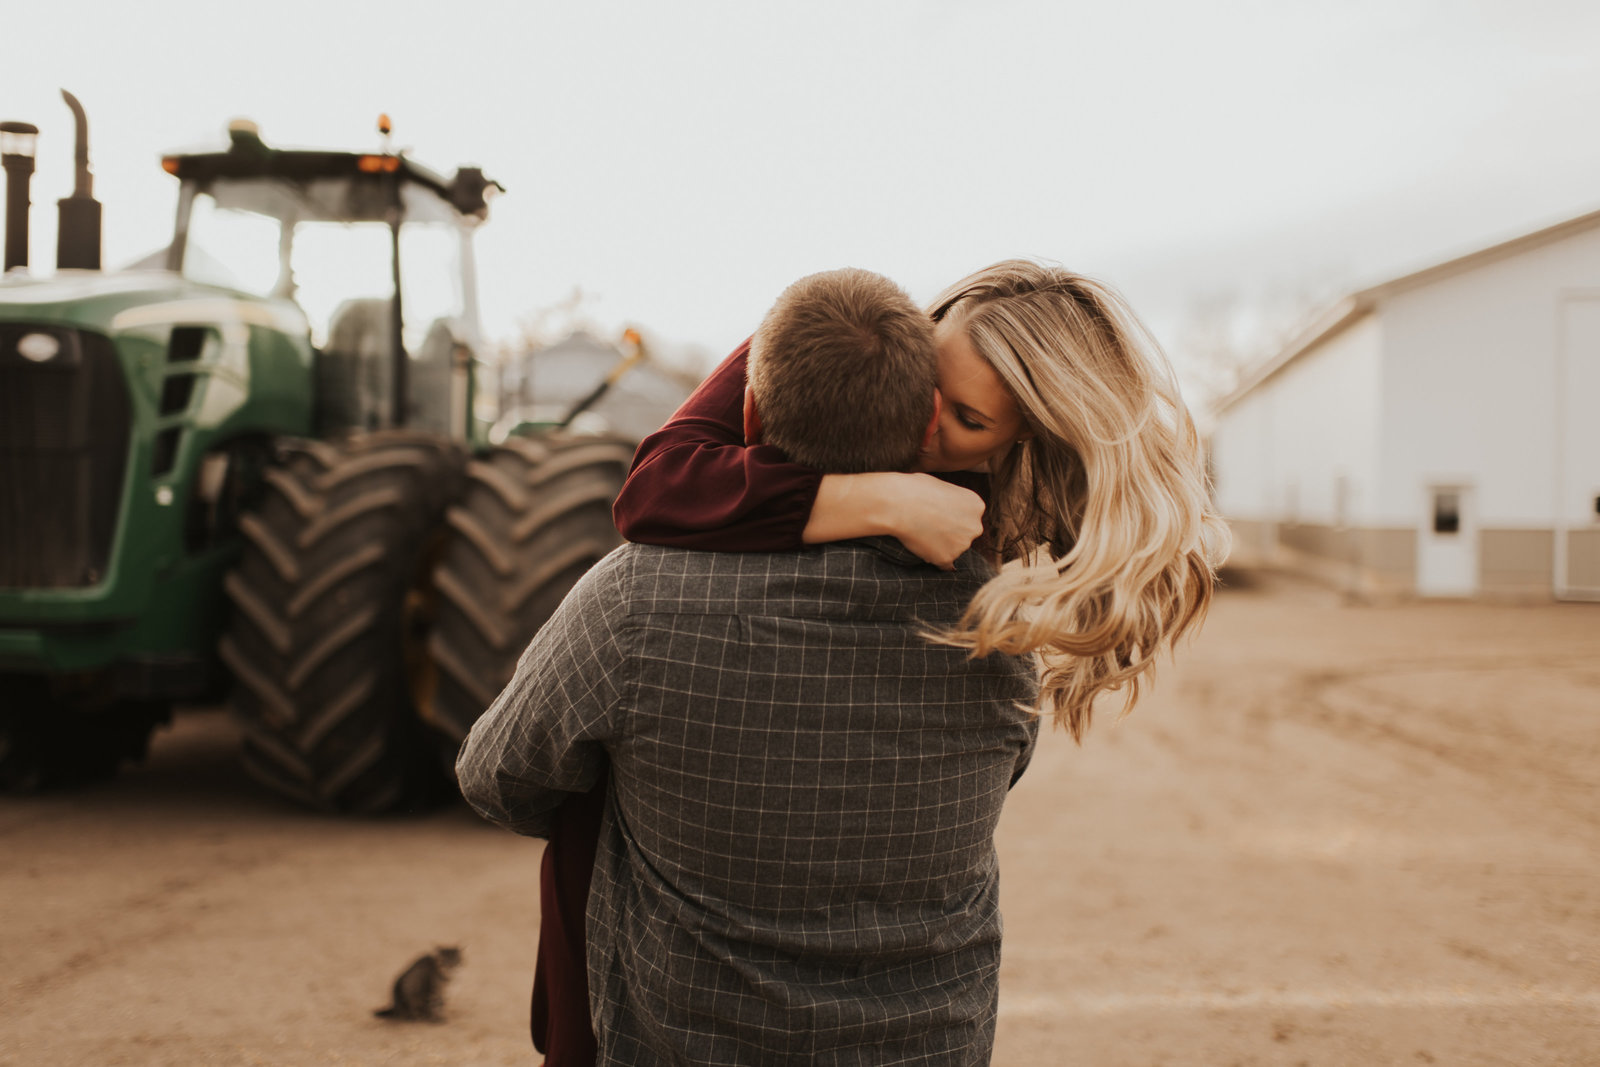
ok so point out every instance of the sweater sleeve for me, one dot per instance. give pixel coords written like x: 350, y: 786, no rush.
x: 696, y: 484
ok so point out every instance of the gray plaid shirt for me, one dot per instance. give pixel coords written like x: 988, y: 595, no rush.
x: 797, y: 861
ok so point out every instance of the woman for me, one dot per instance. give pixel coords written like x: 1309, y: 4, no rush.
x: 1097, y: 495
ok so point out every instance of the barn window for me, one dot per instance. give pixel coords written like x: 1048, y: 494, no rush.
x: 1446, y: 511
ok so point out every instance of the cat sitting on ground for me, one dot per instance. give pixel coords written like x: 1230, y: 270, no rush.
x: 419, y: 991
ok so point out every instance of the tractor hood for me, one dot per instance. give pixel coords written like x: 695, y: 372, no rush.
x: 114, y: 303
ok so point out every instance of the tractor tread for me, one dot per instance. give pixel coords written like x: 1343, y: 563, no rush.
x: 274, y: 629
x: 470, y: 605
x: 277, y: 778
x: 530, y: 451
x: 303, y: 502
x: 363, y: 758
x: 478, y: 536
x: 452, y: 663
x: 268, y: 744
x: 511, y: 557
x: 323, y: 454
x: 581, y: 455
x: 319, y: 723
x: 514, y: 496
x: 328, y: 521
x: 555, y: 506
x: 278, y: 709
x: 330, y: 575
x: 564, y: 559
x: 368, y: 461
x: 278, y: 555
x: 328, y: 644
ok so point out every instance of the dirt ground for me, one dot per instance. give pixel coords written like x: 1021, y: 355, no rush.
x: 1335, y: 834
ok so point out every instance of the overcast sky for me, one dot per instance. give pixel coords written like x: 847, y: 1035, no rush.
x: 682, y: 162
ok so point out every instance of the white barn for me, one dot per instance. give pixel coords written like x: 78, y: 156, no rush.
x: 1438, y: 434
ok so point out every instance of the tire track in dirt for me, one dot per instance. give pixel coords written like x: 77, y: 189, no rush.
x: 1364, y: 702
x: 152, y: 916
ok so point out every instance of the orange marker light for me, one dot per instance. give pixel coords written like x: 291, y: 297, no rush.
x: 170, y: 164
x: 377, y: 164
x: 384, y: 125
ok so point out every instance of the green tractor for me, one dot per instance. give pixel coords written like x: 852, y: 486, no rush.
x: 198, y: 500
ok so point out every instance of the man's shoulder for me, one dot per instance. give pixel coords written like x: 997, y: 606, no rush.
x: 871, y: 578
x: 642, y: 563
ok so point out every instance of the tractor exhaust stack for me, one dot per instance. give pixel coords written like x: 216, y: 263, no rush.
x: 17, y: 143
x: 78, y: 232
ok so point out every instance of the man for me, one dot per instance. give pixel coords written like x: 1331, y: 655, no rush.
x: 796, y: 861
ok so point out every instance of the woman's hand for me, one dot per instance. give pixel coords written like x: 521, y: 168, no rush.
x: 934, y: 519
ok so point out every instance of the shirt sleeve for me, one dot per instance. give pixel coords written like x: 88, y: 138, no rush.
x: 1030, y: 741
x: 696, y: 484
x: 544, y: 737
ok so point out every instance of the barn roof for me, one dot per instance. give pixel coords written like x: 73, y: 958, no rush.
x: 1334, y: 320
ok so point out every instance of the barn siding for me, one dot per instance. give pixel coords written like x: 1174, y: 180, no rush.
x: 1284, y: 452
x: 1470, y: 384
x: 1583, y: 559
x: 1516, y: 562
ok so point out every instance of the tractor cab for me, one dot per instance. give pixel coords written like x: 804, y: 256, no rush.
x: 375, y: 248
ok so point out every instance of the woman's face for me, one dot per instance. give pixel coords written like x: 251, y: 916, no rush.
x: 979, y: 419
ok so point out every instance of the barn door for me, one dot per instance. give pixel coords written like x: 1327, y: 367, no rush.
x: 1577, y: 527
x: 1447, y: 546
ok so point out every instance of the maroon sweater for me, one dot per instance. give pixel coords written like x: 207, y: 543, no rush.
x: 694, y: 484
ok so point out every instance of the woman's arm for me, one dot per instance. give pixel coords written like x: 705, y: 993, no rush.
x: 696, y: 484
x: 933, y: 518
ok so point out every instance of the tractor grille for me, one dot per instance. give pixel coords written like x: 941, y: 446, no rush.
x: 64, y: 420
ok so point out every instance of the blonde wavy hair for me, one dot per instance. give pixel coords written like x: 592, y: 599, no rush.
x: 1104, y: 512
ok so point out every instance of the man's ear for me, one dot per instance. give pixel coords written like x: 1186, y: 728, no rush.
x: 752, y: 419
x: 933, y: 423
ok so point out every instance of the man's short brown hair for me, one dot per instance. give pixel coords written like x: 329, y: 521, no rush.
x: 843, y: 372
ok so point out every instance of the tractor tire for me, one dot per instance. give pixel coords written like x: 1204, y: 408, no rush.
x: 535, y: 515
x: 331, y: 602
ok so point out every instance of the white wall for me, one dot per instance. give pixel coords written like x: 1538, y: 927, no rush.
x: 1469, y: 379
x: 1241, y: 458
x: 1578, y: 427
x: 1280, y: 452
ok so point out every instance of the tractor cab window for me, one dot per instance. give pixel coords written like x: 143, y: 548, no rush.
x: 233, y: 249
x: 325, y: 241
x: 268, y: 238
x: 335, y: 263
